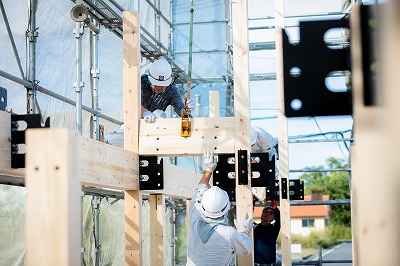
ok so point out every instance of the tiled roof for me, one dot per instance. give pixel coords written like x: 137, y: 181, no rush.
x: 302, y: 211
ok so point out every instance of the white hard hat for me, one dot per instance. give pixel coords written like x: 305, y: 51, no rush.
x: 215, y: 203
x: 160, y: 73
x: 159, y: 113
x: 253, y: 136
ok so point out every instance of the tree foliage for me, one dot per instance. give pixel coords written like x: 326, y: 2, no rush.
x: 334, y: 184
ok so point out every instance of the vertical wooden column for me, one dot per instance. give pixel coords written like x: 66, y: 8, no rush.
x: 283, y: 136
x: 375, y: 165
x: 213, y: 99
x: 157, y: 230
x: 244, y: 203
x: 132, y: 103
x: 53, y: 210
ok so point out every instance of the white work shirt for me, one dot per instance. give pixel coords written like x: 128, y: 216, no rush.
x: 264, y: 143
x: 220, y: 248
x: 116, y: 137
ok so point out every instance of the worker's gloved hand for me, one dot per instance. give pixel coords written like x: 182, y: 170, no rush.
x: 209, y: 163
x: 149, y: 117
x: 159, y: 114
x: 245, y: 225
x: 191, y: 105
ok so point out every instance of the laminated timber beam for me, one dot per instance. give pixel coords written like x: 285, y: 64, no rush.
x: 103, y: 165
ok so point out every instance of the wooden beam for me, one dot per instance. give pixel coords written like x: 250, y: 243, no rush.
x: 283, y: 137
x: 53, y: 215
x: 162, y: 138
x: 213, y: 110
x: 132, y: 103
x: 241, y: 77
x: 374, y: 155
x: 173, y: 182
x: 102, y: 165
x: 107, y: 166
x: 157, y: 230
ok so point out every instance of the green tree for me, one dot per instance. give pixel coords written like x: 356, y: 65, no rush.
x: 334, y: 184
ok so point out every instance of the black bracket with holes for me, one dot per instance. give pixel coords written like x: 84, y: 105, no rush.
x: 3, y: 99
x: 305, y: 92
x: 369, y: 39
x: 151, y: 173
x: 284, y: 190
x: 296, y: 190
x: 242, y: 168
x: 224, y: 174
x: 18, y: 136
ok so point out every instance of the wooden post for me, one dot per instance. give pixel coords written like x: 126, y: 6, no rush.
x: 213, y: 97
x: 283, y: 137
x: 53, y: 212
x: 375, y: 167
x: 244, y: 203
x: 157, y: 230
x: 132, y: 103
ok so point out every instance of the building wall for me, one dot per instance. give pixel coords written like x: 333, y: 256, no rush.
x: 297, y: 226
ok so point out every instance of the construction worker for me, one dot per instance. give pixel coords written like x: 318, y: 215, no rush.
x: 158, y: 91
x: 157, y: 94
x: 265, y: 235
x: 212, y: 241
x: 262, y: 142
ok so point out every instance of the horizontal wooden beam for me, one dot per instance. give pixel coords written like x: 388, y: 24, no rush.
x: 102, y: 165
x: 179, y: 182
x: 163, y: 138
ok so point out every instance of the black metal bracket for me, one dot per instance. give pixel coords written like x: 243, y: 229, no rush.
x: 224, y: 174
x: 307, y: 64
x: 242, y: 168
x: 151, y: 172
x: 284, y: 188
x: 369, y: 39
x: 18, y: 136
x: 296, y: 190
x: 3, y: 99
x: 261, y: 165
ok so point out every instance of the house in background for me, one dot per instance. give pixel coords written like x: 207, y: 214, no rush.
x: 304, y: 219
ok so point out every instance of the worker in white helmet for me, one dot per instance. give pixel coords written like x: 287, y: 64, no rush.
x: 158, y: 92
x: 212, y: 241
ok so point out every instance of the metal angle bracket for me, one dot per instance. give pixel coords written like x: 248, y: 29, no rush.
x: 224, y: 174
x: 296, y: 189
x: 3, y: 99
x: 284, y: 191
x: 18, y: 136
x: 151, y: 172
x: 261, y: 164
x: 307, y: 64
x: 242, y: 168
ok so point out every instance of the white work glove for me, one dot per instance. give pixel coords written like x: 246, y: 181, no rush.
x: 191, y: 105
x: 244, y: 226
x: 159, y: 114
x: 149, y: 117
x: 209, y: 163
